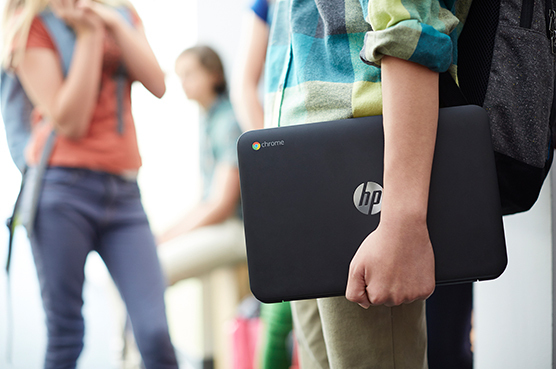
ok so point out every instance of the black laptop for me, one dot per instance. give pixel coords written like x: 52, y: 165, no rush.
x: 311, y: 193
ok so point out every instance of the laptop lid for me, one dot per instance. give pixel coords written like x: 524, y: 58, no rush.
x: 311, y: 193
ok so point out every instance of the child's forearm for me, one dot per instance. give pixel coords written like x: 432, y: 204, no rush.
x: 68, y: 102
x: 410, y: 110
x: 78, y: 95
x: 139, y: 59
x: 249, y: 69
x: 395, y: 263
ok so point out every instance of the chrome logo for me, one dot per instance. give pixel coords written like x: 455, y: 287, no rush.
x: 256, y: 146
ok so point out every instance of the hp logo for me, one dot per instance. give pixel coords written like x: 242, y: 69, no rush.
x: 367, y: 198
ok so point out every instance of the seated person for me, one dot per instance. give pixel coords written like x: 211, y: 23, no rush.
x: 210, y: 235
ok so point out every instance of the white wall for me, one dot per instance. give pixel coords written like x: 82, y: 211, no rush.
x: 513, y: 314
x: 219, y: 26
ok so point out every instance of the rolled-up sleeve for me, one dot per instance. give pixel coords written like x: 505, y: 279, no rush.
x: 416, y: 30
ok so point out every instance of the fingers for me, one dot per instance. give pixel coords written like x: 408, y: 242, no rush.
x: 57, y: 8
x: 371, y: 293
x: 400, y: 296
x: 356, y: 290
x: 86, y: 5
x: 66, y: 10
x: 366, y: 291
x: 106, y: 13
x: 62, y: 7
x: 392, y: 268
x: 394, y: 300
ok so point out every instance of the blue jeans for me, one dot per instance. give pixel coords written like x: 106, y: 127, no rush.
x: 81, y: 211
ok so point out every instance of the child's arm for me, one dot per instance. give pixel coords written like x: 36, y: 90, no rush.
x: 395, y: 263
x: 138, y: 56
x: 249, y: 69
x: 68, y: 103
x: 221, y: 204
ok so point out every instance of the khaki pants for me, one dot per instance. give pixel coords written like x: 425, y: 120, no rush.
x: 203, y: 250
x: 338, y: 334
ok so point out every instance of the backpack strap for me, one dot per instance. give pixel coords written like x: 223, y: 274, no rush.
x: 30, y: 193
x: 550, y: 20
x: 120, y: 77
x: 11, y: 224
x: 449, y: 92
x: 63, y: 37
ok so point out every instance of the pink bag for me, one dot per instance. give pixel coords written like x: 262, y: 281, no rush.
x: 245, y: 339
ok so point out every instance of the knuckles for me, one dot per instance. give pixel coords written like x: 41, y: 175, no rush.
x: 363, y: 290
x: 396, y: 297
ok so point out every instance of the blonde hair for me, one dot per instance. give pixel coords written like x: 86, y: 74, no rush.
x: 16, y: 23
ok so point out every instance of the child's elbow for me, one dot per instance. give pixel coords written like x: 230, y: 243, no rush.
x: 156, y: 86
x: 160, y: 90
x: 160, y: 85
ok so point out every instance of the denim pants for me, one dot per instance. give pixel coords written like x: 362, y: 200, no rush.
x: 81, y: 211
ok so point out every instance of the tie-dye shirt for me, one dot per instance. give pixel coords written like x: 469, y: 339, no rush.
x: 323, y: 58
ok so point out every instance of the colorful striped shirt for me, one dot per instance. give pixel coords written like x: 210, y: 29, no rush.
x: 323, y: 58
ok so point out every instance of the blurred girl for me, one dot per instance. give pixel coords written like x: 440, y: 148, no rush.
x: 210, y: 235
x: 90, y: 199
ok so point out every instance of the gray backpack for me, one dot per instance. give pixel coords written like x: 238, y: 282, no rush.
x: 506, y: 63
